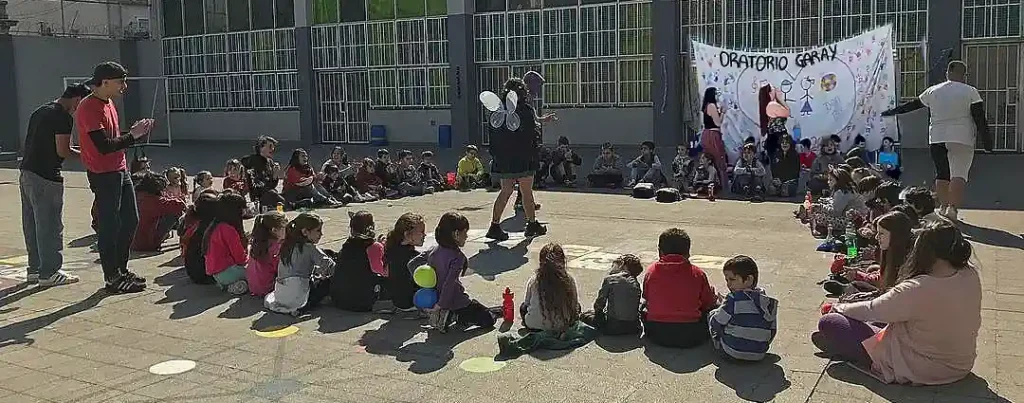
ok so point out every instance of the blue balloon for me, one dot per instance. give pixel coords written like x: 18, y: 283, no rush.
x: 425, y: 298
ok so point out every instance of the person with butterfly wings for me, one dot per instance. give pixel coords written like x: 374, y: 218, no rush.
x: 515, y: 135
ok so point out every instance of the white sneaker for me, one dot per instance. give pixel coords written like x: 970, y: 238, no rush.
x: 238, y: 288
x: 61, y: 277
x: 32, y: 278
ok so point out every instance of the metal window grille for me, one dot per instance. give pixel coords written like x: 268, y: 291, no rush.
x: 635, y: 29
x: 383, y: 88
x: 412, y: 87
x: 352, y: 45
x: 635, y: 81
x: 524, y: 35
x: 561, y: 33
x: 598, y: 84
x: 437, y: 81
x: 411, y: 42
x: 747, y: 23
x: 325, y: 47
x: 991, y: 19
x: 598, y: 30
x: 380, y: 48
x: 561, y: 84
x: 437, y: 40
x: 489, y: 44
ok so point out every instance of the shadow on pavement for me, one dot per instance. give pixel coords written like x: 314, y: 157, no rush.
x: 189, y: 299
x: 758, y: 381
x: 17, y: 333
x: 992, y: 236
x: 398, y: 338
x: 971, y: 386
x: 680, y: 361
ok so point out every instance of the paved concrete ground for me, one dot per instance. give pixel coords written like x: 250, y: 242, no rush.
x: 77, y: 344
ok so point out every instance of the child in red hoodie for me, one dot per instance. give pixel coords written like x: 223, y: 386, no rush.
x: 225, y: 248
x: 677, y: 294
x: 159, y: 213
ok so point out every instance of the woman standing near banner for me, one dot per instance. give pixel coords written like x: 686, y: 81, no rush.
x: 711, y: 137
x: 774, y: 113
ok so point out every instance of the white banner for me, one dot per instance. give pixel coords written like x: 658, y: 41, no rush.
x: 840, y: 88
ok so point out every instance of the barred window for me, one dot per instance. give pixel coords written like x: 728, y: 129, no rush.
x: 597, y: 83
x: 353, y: 43
x: 412, y: 87
x: 325, y: 47
x: 524, y: 35
x: 635, y: 29
x: 635, y: 81
x: 218, y: 92
x: 561, y: 30
x: 704, y: 21
x: 438, y: 86
x: 846, y: 18
x: 411, y: 41
x: 991, y: 19
x: 597, y: 30
x: 437, y: 40
x: 383, y: 88
x: 380, y: 48
x: 746, y: 23
x: 561, y: 84
x: 489, y: 40
x: 796, y: 24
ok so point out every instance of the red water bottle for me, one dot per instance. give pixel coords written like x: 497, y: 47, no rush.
x: 508, y: 305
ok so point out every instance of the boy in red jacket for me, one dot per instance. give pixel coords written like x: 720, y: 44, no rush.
x: 677, y: 295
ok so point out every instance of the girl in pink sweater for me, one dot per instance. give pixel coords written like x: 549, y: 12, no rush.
x: 267, y: 234
x: 933, y: 315
x: 225, y: 248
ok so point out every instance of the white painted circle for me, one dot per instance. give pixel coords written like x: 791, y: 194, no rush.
x: 172, y: 367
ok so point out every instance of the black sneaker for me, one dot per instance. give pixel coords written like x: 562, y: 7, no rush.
x: 534, y: 228
x: 125, y: 285
x: 496, y: 233
x: 834, y: 287
x: 134, y: 277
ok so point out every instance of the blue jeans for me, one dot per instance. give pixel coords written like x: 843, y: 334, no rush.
x: 117, y: 217
x: 42, y: 203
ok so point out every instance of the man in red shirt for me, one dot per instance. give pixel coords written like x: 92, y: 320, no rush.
x: 102, y: 152
x: 677, y: 295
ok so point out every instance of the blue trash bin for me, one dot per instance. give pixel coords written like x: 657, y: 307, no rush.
x: 378, y: 135
x: 444, y: 136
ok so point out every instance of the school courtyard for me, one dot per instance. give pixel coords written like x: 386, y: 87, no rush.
x: 76, y: 344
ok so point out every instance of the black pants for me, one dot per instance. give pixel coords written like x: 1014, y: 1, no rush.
x: 318, y: 290
x: 117, y: 216
x: 402, y: 288
x: 678, y: 335
x: 605, y: 180
x: 941, y: 161
x: 475, y: 314
x: 611, y: 327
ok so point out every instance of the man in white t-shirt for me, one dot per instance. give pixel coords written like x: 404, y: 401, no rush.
x: 957, y: 122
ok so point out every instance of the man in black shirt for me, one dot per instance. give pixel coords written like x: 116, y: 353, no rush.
x: 47, y: 144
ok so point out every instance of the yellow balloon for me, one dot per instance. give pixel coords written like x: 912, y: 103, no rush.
x: 425, y: 277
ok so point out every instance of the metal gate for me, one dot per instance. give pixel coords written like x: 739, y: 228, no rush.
x: 492, y: 78
x: 994, y: 69
x: 344, y: 100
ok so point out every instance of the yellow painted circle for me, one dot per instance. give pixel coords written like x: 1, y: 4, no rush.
x: 275, y: 333
x: 481, y: 365
x: 172, y: 367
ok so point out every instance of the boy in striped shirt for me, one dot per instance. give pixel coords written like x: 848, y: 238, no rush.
x: 744, y: 326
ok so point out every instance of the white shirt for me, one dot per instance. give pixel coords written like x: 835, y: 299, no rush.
x: 950, y: 104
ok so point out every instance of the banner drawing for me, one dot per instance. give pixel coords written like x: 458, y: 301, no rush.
x: 840, y: 88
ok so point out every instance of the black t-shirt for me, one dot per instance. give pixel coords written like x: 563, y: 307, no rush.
x: 40, y: 154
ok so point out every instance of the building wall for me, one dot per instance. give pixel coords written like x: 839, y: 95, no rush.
x: 412, y: 126
x: 596, y: 126
x: 82, y: 19
x: 239, y: 125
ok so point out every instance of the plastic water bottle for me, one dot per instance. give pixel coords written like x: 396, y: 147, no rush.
x: 851, y: 241
x: 508, y: 305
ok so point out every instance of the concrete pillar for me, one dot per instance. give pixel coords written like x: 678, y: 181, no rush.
x: 309, y: 130
x: 944, y: 33
x: 10, y: 139
x: 462, y: 75
x: 133, y: 100
x: 666, y: 73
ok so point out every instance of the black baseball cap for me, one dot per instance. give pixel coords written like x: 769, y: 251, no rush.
x: 107, y: 71
x: 76, y: 91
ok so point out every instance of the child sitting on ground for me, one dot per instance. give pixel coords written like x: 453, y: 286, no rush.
x: 234, y: 177
x: 192, y: 234
x: 617, y: 307
x: 429, y: 172
x: 265, y: 254
x: 304, y: 273
x: 748, y: 175
x: 400, y: 248
x: 449, y: 263
x: 385, y: 169
x: 470, y: 171
x: 705, y: 177
x: 410, y: 182
x: 300, y: 188
x: 367, y: 181
x: 923, y: 202
x: 823, y: 162
x: 177, y: 185
x: 225, y: 249
x: 677, y: 295
x: 358, y: 281
x: 551, y: 302
x: 745, y: 325
x: 786, y: 168
x: 337, y: 187
x: 893, y: 233
x: 564, y: 162
x: 203, y: 181
x: 607, y: 170
x: 682, y: 168
x: 833, y: 212
x: 159, y: 214
x: 646, y: 168
x: 806, y: 153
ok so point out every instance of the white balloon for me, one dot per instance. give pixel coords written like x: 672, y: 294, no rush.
x: 490, y: 100
x: 511, y: 100
x: 512, y: 121
x: 497, y: 119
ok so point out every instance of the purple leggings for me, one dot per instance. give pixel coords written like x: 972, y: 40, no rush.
x: 842, y: 336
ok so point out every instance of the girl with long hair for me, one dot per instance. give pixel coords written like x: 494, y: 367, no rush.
x: 400, y: 248
x: 515, y: 160
x: 304, y: 272
x: 932, y: 316
x: 192, y: 234
x: 225, y: 249
x: 361, y: 271
x: 711, y: 137
x: 893, y: 233
x: 159, y: 214
x: 268, y: 233
x: 551, y: 301
x: 263, y: 173
x: 300, y: 184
